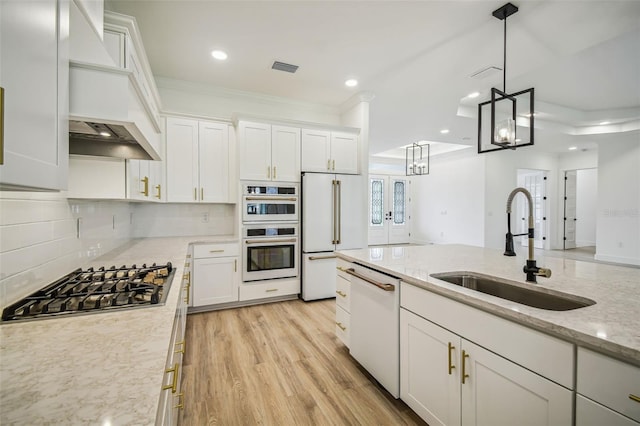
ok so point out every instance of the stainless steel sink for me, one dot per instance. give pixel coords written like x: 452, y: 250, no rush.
x: 514, y: 291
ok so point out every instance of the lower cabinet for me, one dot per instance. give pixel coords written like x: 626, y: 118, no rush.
x: 172, y: 397
x: 343, y: 302
x: 216, y: 274
x: 270, y: 288
x: 449, y: 380
x: 590, y: 413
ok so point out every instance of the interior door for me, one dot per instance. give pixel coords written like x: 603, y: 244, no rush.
x: 388, y: 214
x: 570, y: 209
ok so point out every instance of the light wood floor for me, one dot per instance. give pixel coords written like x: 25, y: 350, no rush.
x: 279, y: 364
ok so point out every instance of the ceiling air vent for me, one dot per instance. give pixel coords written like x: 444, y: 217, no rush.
x: 486, y: 72
x: 281, y: 66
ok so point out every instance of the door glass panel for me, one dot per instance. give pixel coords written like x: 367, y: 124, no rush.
x: 398, y: 202
x: 377, y: 202
x: 268, y: 258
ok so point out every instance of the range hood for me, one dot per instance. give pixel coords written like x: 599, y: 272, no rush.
x: 108, y: 116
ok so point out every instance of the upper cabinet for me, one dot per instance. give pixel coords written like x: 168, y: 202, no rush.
x: 329, y: 152
x: 269, y: 152
x: 34, y: 79
x: 198, y: 159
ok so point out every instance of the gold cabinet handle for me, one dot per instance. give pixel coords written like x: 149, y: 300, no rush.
x: 1, y: 125
x: 634, y: 398
x: 340, y: 326
x: 182, y: 347
x: 328, y: 164
x: 180, y: 401
x: 341, y: 293
x: 331, y: 256
x: 145, y: 191
x: 201, y: 194
x: 235, y: 265
x: 159, y: 192
x: 174, y: 382
x: 268, y: 172
x: 195, y: 194
x: 217, y: 251
x: 269, y: 290
x: 274, y: 172
x: 187, y: 299
x: 383, y: 286
x: 188, y: 256
x: 340, y: 268
x: 282, y: 240
x: 334, y: 165
x: 465, y: 355
x: 187, y: 264
x: 451, y: 366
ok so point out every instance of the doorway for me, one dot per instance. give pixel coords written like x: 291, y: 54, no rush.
x: 534, y: 181
x: 388, y: 210
x: 580, y: 195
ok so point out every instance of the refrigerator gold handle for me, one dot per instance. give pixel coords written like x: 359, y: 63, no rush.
x: 339, y: 211
x: 334, y: 216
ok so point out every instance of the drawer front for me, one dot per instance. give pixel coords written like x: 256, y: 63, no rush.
x: 343, y: 293
x: 610, y: 382
x: 546, y: 355
x: 215, y: 250
x: 341, y: 266
x: 272, y: 288
x: 343, y: 325
x: 589, y: 413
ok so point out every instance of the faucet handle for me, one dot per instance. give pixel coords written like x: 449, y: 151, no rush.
x: 544, y: 272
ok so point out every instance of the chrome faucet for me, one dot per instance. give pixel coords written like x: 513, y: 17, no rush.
x: 530, y: 268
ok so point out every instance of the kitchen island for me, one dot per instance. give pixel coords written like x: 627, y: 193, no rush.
x: 106, y: 368
x: 466, y: 357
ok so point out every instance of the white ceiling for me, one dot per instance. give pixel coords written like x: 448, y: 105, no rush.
x: 415, y: 57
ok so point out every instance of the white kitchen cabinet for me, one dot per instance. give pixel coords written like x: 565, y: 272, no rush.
x: 609, y: 383
x: 589, y: 413
x: 34, y: 71
x: 216, y: 274
x: 172, y: 398
x: 325, y: 151
x: 255, y: 290
x: 269, y: 152
x: 197, y: 161
x: 343, y: 302
x: 439, y: 353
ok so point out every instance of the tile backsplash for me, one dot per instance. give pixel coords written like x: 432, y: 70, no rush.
x: 44, y: 236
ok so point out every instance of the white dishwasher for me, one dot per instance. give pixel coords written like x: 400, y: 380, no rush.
x: 375, y: 325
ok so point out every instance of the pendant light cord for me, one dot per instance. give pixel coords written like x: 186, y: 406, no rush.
x: 504, y: 66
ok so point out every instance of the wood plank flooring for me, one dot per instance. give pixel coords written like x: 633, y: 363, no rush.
x: 279, y: 364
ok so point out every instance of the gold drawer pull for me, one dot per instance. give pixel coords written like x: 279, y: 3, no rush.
x: 216, y: 251
x: 634, y: 398
x: 451, y: 366
x: 174, y: 383
x: 340, y: 293
x: 183, y: 345
x: 159, y: 192
x: 269, y: 290
x: 383, y: 286
x: 180, y: 401
x: 145, y: 191
x: 322, y: 257
x: 464, y: 372
x: 342, y: 327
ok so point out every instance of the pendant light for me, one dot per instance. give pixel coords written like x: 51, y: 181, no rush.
x: 505, y: 113
x: 417, y: 159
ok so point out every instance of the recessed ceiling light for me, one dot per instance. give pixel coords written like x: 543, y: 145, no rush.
x: 473, y: 95
x: 351, y: 82
x: 604, y: 123
x: 444, y: 131
x: 573, y: 148
x: 106, y: 134
x: 219, y: 55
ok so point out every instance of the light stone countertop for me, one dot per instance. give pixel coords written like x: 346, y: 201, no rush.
x: 105, y: 368
x: 611, y: 326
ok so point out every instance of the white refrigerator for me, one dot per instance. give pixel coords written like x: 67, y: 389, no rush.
x: 333, y: 218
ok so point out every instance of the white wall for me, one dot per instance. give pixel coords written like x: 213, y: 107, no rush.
x: 205, y: 100
x: 39, y: 239
x: 618, y: 216
x: 502, y: 177
x: 169, y: 220
x: 448, y: 204
x: 586, y: 207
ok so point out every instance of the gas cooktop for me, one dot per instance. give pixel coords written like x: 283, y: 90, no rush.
x: 95, y: 290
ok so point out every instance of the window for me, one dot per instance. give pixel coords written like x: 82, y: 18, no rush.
x: 377, y: 202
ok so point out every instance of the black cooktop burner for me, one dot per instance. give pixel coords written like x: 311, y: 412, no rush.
x: 95, y: 290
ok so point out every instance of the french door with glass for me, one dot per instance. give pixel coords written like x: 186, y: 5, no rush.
x: 388, y: 210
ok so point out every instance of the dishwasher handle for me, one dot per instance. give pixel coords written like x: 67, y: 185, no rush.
x: 383, y: 286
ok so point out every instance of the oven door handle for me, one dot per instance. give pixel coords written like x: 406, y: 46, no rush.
x: 270, y: 241
x: 270, y: 198
x: 383, y: 286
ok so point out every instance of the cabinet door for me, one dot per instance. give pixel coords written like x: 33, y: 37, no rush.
x: 429, y: 370
x: 33, y: 71
x: 499, y: 392
x: 344, y: 153
x: 589, y: 413
x: 255, y: 151
x: 318, y: 272
x: 213, y: 161
x: 215, y: 280
x: 138, y: 175
x: 285, y: 153
x: 156, y: 180
x: 182, y: 160
x: 316, y: 151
